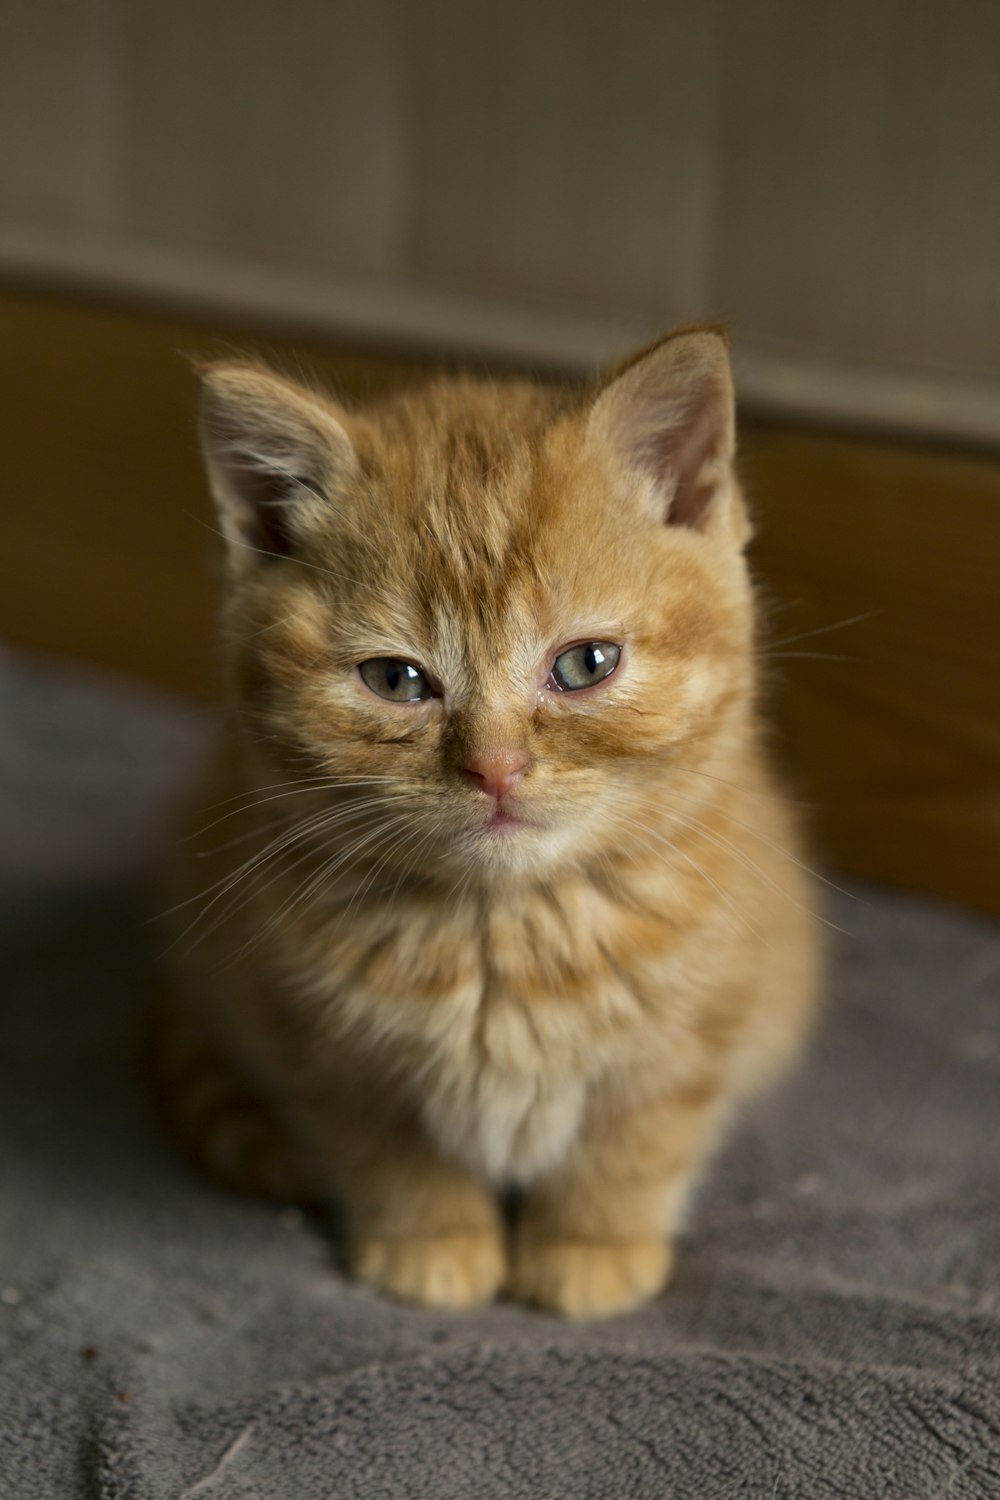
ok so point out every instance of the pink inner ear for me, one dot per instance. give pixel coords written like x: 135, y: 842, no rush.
x: 682, y: 438
x: 687, y: 463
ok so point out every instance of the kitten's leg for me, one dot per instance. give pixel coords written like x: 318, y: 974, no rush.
x: 418, y: 1226
x: 593, y: 1235
x: 222, y: 1121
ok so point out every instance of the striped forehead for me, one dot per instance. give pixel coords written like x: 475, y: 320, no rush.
x: 465, y: 498
x: 466, y: 503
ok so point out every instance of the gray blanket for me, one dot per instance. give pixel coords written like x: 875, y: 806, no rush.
x: 834, y: 1326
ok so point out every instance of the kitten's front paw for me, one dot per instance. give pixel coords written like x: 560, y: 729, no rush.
x: 582, y: 1279
x: 450, y: 1270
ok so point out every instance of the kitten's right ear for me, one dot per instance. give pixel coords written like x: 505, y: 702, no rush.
x: 275, y: 455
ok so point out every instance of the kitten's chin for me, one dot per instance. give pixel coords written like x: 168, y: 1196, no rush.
x: 507, y: 845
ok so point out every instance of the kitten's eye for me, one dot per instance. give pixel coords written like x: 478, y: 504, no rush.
x: 582, y: 666
x: 399, y: 681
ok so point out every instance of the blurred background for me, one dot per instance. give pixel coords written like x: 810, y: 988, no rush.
x: 365, y: 191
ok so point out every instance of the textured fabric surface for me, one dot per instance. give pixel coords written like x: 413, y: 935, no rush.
x: 834, y: 1325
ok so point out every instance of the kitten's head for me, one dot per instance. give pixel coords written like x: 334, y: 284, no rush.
x: 499, y: 619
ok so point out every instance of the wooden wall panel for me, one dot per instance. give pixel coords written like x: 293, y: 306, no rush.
x: 263, y: 133
x: 563, y: 154
x: 561, y: 181
x: 59, y: 130
x: 898, y: 743
x: 859, y: 202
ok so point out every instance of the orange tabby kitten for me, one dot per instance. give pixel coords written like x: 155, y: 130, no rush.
x: 506, y: 896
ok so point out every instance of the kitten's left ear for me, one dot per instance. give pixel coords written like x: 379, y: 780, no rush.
x: 669, y: 419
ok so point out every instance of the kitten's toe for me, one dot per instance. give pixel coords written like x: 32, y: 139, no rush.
x: 583, y: 1279
x: 452, y: 1270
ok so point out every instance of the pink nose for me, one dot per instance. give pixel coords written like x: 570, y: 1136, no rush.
x: 497, y: 773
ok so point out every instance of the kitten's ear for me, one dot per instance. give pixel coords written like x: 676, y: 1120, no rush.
x: 275, y: 454
x: 668, y: 417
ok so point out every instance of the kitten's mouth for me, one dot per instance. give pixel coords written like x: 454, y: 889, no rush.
x: 503, y: 822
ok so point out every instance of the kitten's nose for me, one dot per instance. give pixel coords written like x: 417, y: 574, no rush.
x: 497, y: 772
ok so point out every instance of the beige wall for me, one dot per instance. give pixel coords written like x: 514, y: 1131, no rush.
x: 558, y: 178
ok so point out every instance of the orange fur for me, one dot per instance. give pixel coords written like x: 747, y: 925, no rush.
x: 429, y: 1009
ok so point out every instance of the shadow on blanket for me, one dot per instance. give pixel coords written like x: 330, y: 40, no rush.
x: 834, y: 1327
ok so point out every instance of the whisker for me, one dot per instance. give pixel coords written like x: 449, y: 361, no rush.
x: 365, y: 888
x: 721, y: 842
x: 297, y: 790
x: 244, y: 892
x: 410, y: 863
x: 237, y: 881
x: 807, y: 635
x: 280, y: 556
x: 772, y: 844
x: 315, y: 822
x: 806, y: 656
x: 336, y: 860
x: 272, y: 625
x: 743, y: 790
x: 278, y: 915
x: 457, y: 892
x: 309, y: 888
x: 238, y: 838
x: 649, y: 833
x: 299, y: 781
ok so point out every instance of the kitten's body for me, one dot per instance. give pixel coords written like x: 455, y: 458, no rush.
x: 438, y: 983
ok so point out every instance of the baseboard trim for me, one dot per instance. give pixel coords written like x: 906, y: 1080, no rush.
x: 783, y: 383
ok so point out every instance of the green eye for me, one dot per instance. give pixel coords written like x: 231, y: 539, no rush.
x: 399, y: 681
x: 582, y: 666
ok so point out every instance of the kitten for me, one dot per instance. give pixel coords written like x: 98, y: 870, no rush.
x: 505, y: 896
